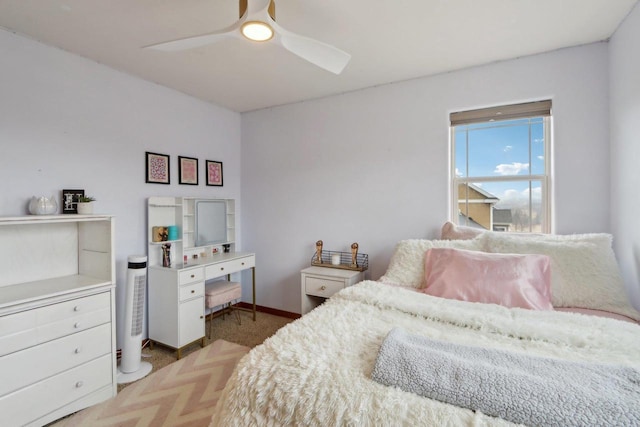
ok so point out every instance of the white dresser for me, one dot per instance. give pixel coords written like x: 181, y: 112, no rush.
x: 57, y: 311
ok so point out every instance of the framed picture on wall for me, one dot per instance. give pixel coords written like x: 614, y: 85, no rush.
x: 188, y: 170
x: 214, y: 173
x: 70, y: 201
x: 158, y: 171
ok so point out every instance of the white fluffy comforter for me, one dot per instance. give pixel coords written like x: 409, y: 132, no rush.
x: 316, y: 371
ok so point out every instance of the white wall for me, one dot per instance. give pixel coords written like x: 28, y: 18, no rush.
x: 625, y: 148
x: 67, y: 122
x: 372, y: 166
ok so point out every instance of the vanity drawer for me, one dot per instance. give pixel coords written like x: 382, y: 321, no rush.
x: 190, y: 276
x: 229, y: 267
x: 29, y: 328
x: 25, y: 367
x: 191, y: 291
x: 57, y: 391
x: 322, y: 287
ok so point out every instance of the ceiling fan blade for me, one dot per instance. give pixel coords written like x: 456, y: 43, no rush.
x: 318, y: 53
x: 197, y: 41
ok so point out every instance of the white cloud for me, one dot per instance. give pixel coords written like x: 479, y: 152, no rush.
x: 458, y: 173
x: 511, y: 169
x: 519, y: 198
x: 508, y: 148
x: 540, y: 157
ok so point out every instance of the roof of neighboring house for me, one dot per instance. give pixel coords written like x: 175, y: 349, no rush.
x: 468, y: 222
x: 482, y: 191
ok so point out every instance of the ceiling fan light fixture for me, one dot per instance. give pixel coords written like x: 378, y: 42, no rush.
x: 257, y: 31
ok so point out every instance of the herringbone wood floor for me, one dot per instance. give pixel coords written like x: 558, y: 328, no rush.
x: 183, y: 393
x: 248, y: 334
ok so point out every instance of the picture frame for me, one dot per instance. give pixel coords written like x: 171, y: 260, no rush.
x: 70, y: 201
x: 188, y: 170
x: 158, y: 169
x: 214, y: 173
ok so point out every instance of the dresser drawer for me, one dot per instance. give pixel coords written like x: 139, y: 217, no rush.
x: 25, y: 367
x: 52, y: 393
x: 229, y: 267
x: 29, y: 328
x: 322, y: 287
x: 189, y: 276
x: 191, y: 291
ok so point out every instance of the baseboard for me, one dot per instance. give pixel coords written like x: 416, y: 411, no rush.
x: 269, y: 310
x: 261, y: 309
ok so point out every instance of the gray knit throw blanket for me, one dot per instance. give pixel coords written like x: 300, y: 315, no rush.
x: 530, y: 390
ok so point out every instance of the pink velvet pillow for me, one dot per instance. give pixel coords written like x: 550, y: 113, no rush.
x: 511, y: 280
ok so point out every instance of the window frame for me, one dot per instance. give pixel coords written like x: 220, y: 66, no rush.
x: 517, y: 111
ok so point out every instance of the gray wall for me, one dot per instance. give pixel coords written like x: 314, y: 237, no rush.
x: 625, y: 148
x: 372, y: 166
x: 67, y: 122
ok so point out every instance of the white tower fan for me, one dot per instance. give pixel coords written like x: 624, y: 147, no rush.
x: 131, y: 367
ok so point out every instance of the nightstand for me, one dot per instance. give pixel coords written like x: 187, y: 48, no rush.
x: 319, y: 283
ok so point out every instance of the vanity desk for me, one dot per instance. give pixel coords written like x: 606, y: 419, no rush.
x: 176, y: 296
x: 177, y: 292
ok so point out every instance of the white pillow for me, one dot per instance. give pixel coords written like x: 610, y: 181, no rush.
x: 584, y: 270
x: 451, y: 231
x: 406, y: 267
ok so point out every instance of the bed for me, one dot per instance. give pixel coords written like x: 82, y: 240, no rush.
x: 321, y: 369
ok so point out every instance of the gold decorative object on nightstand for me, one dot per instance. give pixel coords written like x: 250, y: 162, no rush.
x: 348, y: 261
x: 319, y: 251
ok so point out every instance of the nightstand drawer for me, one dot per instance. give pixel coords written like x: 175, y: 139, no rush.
x: 190, y: 276
x: 323, y: 282
x: 322, y: 287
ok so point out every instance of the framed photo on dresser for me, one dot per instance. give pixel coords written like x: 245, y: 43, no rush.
x: 70, y: 201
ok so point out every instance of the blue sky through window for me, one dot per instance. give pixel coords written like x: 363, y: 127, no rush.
x: 501, y: 149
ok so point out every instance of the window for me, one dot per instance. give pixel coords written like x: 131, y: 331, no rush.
x: 500, y: 170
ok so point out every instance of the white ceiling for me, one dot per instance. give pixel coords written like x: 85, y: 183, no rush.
x: 389, y: 40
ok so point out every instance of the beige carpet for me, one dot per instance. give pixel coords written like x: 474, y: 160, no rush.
x: 249, y: 334
x: 183, y: 393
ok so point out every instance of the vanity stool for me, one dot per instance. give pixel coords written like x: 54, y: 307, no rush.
x: 222, y: 292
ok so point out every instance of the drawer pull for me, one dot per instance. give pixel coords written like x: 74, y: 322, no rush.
x: 323, y: 288
x: 193, y: 275
x: 193, y: 291
x: 79, y: 384
x: 202, y: 317
x: 242, y: 263
x: 221, y: 268
x: 76, y: 308
x: 76, y: 325
x: 77, y: 350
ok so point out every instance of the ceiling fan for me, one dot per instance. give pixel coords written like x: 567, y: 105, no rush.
x: 257, y: 23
